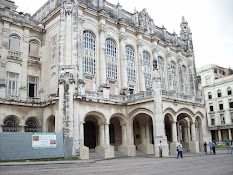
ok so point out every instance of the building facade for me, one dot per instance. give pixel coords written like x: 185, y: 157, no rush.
x: 217, y: 85
x: 110, y: 79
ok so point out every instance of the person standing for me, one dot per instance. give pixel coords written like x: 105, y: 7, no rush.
x: 213, y: 147
x: 205, y: 147
x: 231, y: 147
x: 210, y: 145
x: 160, y: 149
x: 228, y: 146
x: 180, y: 150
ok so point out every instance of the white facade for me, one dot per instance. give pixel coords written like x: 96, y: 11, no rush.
x: 217, y: 85
x: 110, y: 79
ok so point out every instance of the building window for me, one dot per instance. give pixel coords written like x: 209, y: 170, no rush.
x: 220, y: 106
x: 12, y: 83
x: 211, y: 107
x: 147, y: 68
x: 209, y: 95
x: 14, y: 43
x: 111, y: 59
x: 172, y: 76
x: 219, y: 93
x: 212, y: 120
x: 89, y: 52
x: 229, y: 92
x: 230, y: 104
x: 184, y: 83
x: 231, y: 117
x: 207, y: 80
x: 10, y: 125
x: 34, y: 48
x: 31, y: 126
x: 161, y: 72
x: 131, y: 67
x: 222, y: 119
x: 32, y: 86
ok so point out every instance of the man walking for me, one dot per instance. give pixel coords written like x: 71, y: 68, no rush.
x: 210, y: 145
x: 180, y: 150
x: 228, y: 146
x: 160, y: 149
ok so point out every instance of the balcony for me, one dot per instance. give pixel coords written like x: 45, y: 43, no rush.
x: 15, y: 55
x: 34, y: 60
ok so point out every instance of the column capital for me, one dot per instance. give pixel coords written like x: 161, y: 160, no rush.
x: 139, y: 43
x: 102, y: 28
x: 122, y: 36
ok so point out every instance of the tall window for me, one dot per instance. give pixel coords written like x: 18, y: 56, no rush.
x: 185, y: 79
x: 229, y: 92
x: 34, y: 48
x: 12, y: 83
x: 219, y: 93
x: 32, y: 86
x: 10, y: 125
x: 209, y: 95
x: 89, y: 52
x: 147, y: 68
x: 111, y: 59
x: 211, y: 107
x: 222, y: 118
x: 161, y: 71
x: 14, y: 43
x: 212, y: 120
x: 31, y: 126
x: 172, y: 76
x: 131, y: 67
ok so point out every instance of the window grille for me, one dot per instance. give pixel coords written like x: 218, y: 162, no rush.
x: 161, y: 71
x: 147, y: 68
x: 10, y: 125
x: 131, y: 67
x: 31, y: 126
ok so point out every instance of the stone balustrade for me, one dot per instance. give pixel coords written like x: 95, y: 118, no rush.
x: 16, y: 55
x: 34, y: 58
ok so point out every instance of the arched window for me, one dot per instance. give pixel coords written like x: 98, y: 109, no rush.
x: 209, y: 95
x: 172, y: 76
x: 89, y: 52
x: 219, y: 93
x: 184, y: 79
x: 14, y: 43
x: 131, y: 67
x: 34, y: 48
x: 111, y: 59
x: 229, y: 91
x: 147, y: 68
x: 10, y: 125
x: 161, y: 71
x: 31, y: 126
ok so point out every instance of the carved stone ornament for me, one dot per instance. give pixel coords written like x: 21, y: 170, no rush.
x: 144, y: 19
x: 102, y: 28
x: 122, y: 36
x: 155, y: 65
x: 140, y: 43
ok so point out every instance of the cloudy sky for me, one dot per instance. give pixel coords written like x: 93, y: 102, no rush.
x: 211, y: 23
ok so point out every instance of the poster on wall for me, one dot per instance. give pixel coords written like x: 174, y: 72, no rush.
x: 44, y: 140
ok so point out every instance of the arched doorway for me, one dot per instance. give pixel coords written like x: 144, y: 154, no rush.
x: 51, y: 124
x: 90, y: 134
x: 115, y: 132
x: 168, y: 127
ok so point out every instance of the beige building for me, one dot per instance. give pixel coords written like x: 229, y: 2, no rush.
x: 217, y: 85
x: 110, y: 79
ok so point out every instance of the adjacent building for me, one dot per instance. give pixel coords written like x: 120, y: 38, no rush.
x: 110, y: 79
x: 217, y: 85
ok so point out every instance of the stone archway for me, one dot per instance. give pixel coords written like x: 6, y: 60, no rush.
x: 142, y: 133
x: 51, y: 124
x: 168, y: 127
x: 199, y: 132
x: 90, y: 134
x: 115, y: 132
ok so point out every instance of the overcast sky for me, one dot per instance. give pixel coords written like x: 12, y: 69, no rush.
x: 211, y: 23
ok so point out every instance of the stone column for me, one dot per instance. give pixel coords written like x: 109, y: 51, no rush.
x: 84, y: 151
x: 189, y: 135
x: 123, y: 62
x: 102, y: 62
x: 124, y: 136
x: 101, y: 134
x: 219, y: 135
x: 147, y: 134
x: 107, y: 134
x: 140, y: 71
x: 143, y: 135
x: 174, y: 142
x: 229, y: 133
x: 194, y: 147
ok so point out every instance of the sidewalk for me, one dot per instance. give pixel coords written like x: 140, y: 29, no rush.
x: 186, y: 154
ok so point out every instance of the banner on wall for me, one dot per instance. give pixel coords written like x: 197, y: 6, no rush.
x: 44, y: 140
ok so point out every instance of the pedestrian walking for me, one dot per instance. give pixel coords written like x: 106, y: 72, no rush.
x: 213, y: 147
x: 231, y: 147
x: 180, y: 150
x: 228, y: 146
x: 205, y: 147
x: 210, y: 145
x: 160, y: 149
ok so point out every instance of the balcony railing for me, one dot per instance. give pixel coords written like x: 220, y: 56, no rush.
x: 34, y: 58
x: 16, y: 55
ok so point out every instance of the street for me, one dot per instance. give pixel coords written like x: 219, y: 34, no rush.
x: 221, y: 164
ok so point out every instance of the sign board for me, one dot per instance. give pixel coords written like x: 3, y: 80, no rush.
x: 44, y: 140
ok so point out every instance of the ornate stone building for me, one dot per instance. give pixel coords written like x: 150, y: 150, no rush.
x: 110, y: 79
x: 217, y: 85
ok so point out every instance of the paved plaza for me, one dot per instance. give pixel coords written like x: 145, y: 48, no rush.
x: 220, y: 164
